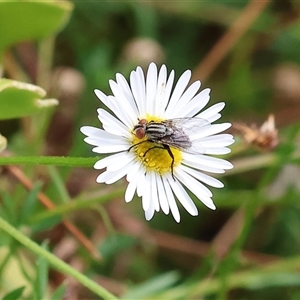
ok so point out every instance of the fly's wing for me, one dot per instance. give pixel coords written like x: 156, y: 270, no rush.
x: 177, y: 139
x: 183, y: 131
x: 190, y: 125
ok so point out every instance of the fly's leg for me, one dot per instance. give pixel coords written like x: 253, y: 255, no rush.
x: 142, y: 143
x: 136, y: 145
x: 172, y: 156
x: 154, y: 147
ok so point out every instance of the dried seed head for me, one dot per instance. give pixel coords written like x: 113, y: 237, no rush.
x: 264, y: 137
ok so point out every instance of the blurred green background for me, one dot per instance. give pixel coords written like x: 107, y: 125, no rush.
x: 249, y: 248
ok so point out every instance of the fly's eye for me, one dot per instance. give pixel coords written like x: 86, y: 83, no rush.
x: 140, y: 128
x: 140, y: 132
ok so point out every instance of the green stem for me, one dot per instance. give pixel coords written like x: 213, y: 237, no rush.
x: 241, y: 165
x: 55, y: 262
x: 49, y: 160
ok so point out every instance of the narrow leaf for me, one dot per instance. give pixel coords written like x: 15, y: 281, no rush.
x: 15, y: 294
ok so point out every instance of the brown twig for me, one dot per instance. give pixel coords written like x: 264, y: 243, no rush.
x: 222, y: 47
x: 46, y: 201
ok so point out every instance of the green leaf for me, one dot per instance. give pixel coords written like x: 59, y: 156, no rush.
x: 59, y: 292
x: 28, y: 20
x: 19, y: 99
x: 42, y: 275
x: 8, y: 206
x: 152, y: 286
x: 30, y: 204
x: 15, y: 294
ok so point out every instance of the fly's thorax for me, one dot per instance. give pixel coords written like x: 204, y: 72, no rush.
x: 157, y: 130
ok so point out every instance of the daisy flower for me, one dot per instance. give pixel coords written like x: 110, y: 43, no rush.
x: 158, y: 139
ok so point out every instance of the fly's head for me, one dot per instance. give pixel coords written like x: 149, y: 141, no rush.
x: 139, y: 130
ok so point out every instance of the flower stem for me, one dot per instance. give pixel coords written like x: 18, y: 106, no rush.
x: 65, y: 161
x: 55, y: 262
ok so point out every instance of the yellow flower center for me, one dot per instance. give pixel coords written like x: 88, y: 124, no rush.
x: 153, y: 155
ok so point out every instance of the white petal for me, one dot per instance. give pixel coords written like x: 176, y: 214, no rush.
x: 195, y: 164
x: 195, y: 187
x: 186, y: 98
x: 124, y: 86
x: 97, y: 137
x: 129, y: 193
x: 211, y: 111
x: 120, y: 163
x: 149, y: 212
x: 95, y: 132
x: 112, y: 176
x: 171, y: 200
x: 202, y: 177
x: 209, y: 161
x: 110, y: 148
x: 132, y: 186
x: 136, y: 167
x: 103, y: 98
x: 220, y: 140
x: 167, y: 93
x: 120, y: 110
x: 141, y: 185
x: 163, y: 201
x: 146, y: 199
x: 114, y: 105
x: 214, y: 118
x: 88, y: 130
x: 179, y: 88
x: 196, y: 104
x: 217, y: 151
x: 112, y: 124
x: 137, y: 82
x: 214, y: 146
x: 151, y: 86
x: 104, y: 162
x: 160, y: 103
x: 183, y: 196
x: 115, y: 176
x: 188, y: 180
x: 210, y: 130
x: 153, y: 188
x: 98, y: 141
x: 131, y: 109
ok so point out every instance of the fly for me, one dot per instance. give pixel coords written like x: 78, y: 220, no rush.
x: 173, y: 133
